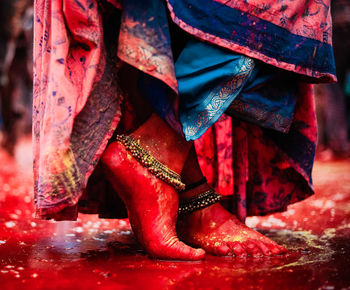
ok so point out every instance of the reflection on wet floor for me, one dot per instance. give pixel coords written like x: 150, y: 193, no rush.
x: 102, y: 254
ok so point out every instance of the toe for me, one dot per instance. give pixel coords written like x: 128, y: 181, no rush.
x: 264, y: 248
x: 198, y: 254
x: 237, y: 249
x: 218, y: 249
x: 176, y: 251
x: 281, y: 249
x: 252, y: 249
x: 275, y: 248
x: 186, y: 252
x: 222, y: 250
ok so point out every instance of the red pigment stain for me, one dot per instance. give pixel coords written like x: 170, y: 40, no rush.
x: 103, y: 254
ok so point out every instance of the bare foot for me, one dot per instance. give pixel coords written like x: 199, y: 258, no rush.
x: 219, y: 232
x: 152, y: 205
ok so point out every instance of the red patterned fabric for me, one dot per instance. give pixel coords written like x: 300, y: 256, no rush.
x: 77, y: 107
x: 243, y: 162
x: 75, y: 101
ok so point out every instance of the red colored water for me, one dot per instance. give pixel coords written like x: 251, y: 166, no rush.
x: 94, y: 253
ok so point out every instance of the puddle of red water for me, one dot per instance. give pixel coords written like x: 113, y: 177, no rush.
x: 98, y: 253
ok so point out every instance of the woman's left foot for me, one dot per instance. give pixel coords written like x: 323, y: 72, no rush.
x: 151, y: 203
x: 218, y: 232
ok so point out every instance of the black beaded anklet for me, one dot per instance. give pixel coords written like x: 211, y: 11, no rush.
x: 198, y: 202
x: 151, y: 163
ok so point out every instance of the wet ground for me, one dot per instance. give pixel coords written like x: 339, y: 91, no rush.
x: 94, y: 253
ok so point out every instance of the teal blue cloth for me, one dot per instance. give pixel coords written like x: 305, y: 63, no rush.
x: 268, y: 99
x: 213, y: 81
x: 209, y: 79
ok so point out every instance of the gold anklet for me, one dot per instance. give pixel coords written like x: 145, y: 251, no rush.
x: 151, y: 163
x: 198, y: 202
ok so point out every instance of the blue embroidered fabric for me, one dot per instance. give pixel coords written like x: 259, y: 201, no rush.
x: 209, y: 79
x: 212, y: 80
x: 268, y: 100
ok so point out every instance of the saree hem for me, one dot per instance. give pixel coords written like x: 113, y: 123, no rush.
x: 317, y: 51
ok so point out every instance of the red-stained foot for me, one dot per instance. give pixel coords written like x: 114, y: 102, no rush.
x: 220, y: 233
x: 152, y: 205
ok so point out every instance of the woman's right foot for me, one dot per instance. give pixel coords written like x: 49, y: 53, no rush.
x: 152, y: 205
x: 219, y: 232
x: 215, y: 229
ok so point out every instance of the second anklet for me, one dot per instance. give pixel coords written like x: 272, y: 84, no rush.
x: 198, y: 202
x: 151, y: 163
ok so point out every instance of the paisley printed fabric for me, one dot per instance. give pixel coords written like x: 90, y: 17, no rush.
x: 78, y: 48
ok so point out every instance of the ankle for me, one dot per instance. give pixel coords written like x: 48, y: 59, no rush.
x: 194, y: 191
x: 149, y: 162
x: 163, y: 143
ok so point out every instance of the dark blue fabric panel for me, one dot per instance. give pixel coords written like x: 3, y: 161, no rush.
x: 297, y: 146
x: 257, y: 34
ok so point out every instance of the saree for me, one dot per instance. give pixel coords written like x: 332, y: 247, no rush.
x: 78, y: 104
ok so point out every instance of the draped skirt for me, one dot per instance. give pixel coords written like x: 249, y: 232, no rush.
x: 245, y: 99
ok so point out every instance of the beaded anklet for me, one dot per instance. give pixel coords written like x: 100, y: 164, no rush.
x: 151, y: 163
x: 198, y: 202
